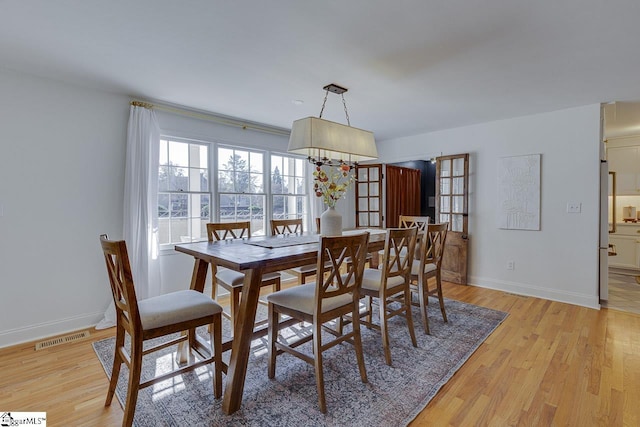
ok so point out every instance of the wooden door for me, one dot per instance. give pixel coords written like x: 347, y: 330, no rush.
x: 369, y: 196
x: 452, y: 204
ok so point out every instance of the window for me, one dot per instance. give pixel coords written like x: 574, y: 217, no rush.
x: 184, y: 197
x: 242, y: 189
x: 241, y: 192
x: 288, y: 187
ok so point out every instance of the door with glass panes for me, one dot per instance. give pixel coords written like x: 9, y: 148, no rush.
x: 369, y: 196
x: 452, y: 206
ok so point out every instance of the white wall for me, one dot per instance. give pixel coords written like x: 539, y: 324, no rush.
x: 62, y: 151
x: 559, y: 262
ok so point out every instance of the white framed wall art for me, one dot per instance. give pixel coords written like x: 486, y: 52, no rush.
x: 519, y: 192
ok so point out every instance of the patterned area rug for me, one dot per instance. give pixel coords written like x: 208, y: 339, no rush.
x: 393, y: 396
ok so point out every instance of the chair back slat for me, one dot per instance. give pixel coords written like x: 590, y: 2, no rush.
x: 399, y: 250
x: 407, y: 221
x: 286, y: 226
x: 228, y: 230
x: 347, y: 257
x: 121, y: 281
x: 433, y: 244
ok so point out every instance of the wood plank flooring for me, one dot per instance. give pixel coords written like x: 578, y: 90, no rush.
x: 548, y: 364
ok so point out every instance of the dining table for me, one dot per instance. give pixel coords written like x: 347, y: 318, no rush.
x: 255, y: 256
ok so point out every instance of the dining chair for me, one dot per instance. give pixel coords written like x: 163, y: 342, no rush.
x: 286, y: 226
x: 408, y: 221
x: 389, y: 283
x: 229, y: 279
x: 180, y: 311
x: 427, y: 266
x: 293, y: 226
x: 331, y: 296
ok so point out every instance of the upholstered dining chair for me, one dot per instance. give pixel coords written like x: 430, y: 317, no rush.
x: 293, y: 226
x: 232, y: 280
x: 390, y: 283
x: 331, y: 296
x: 428, y: 265
x: 408, y: 221
x: 181, y: 311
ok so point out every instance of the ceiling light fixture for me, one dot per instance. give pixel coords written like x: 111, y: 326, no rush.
x: 329, y: 143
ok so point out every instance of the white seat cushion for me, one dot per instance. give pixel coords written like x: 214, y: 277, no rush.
x: 415, y: 267
x: 175, y: 307
x: 302, y: 298
x: 309, y: 268
x: 236, y: 279
x: 372, y: 278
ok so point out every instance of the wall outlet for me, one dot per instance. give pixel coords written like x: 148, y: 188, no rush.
x: 574, y: 207
x: 511, y: 265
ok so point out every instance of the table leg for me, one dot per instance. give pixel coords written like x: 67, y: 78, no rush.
x: 241, y: 346
x: 199, y: 275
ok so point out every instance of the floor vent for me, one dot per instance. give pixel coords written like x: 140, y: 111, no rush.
x: 61, y: 340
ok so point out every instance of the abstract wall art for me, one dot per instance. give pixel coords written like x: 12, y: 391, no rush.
x: 519, y: 192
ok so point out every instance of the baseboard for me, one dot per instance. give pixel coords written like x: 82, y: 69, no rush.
x: 48, y: 329
x: 589, y: 301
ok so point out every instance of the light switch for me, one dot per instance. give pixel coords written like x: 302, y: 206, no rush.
x: 574, y: 207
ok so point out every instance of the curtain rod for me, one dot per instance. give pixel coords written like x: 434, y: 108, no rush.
x: 211, y: 117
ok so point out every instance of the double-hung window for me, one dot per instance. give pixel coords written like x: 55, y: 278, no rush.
x: 184, y: 196
x: 241, y: 189
x: 288, y: 187
x: 201, y: 182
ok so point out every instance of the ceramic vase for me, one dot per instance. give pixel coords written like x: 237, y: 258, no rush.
x: 331, y: 223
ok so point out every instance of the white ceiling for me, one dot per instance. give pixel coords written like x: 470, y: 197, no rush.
x: 411, y: 66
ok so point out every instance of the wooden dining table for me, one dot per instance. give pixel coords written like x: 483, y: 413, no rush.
x: 254, y: 257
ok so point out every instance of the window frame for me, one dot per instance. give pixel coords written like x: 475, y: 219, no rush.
x: 264, y: 194
x: 214, y: 193
x: 304, y: 195
x: 190, y: 218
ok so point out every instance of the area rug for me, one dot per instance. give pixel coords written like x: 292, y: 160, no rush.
x: 393, y: 396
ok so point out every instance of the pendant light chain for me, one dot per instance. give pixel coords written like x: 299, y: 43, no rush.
x: 344, y: 102
x: 346, y: 113
x: 324, y: 102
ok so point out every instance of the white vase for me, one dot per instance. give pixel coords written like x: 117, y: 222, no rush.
x: 331, y: 223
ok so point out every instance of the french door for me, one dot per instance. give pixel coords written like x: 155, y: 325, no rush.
x: 369, y: 196
x: 452, y: 206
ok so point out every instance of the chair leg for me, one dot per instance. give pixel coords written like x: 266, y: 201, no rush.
x: 357, y: 340
x: 274, y: 319
x: 117, y: 363
x: 440, y: 298
x: 216, y: 347
x: 134, y: 382
x: 424, y: 303
x: 369, y: 311
x: 317, y: 350
x: 409, y: 315
x: 383, y: 328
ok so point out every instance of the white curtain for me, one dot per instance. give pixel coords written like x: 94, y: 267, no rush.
x: 316, y: 206
x: 140, y: 228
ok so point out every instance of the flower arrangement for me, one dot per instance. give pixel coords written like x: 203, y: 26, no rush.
x: 331, y: 186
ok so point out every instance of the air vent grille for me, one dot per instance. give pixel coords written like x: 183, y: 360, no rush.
x: 62, y: 340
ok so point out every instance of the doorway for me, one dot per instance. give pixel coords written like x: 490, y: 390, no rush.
x: 621, y: 121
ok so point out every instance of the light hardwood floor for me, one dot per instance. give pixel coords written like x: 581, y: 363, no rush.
x: 548, y: 364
